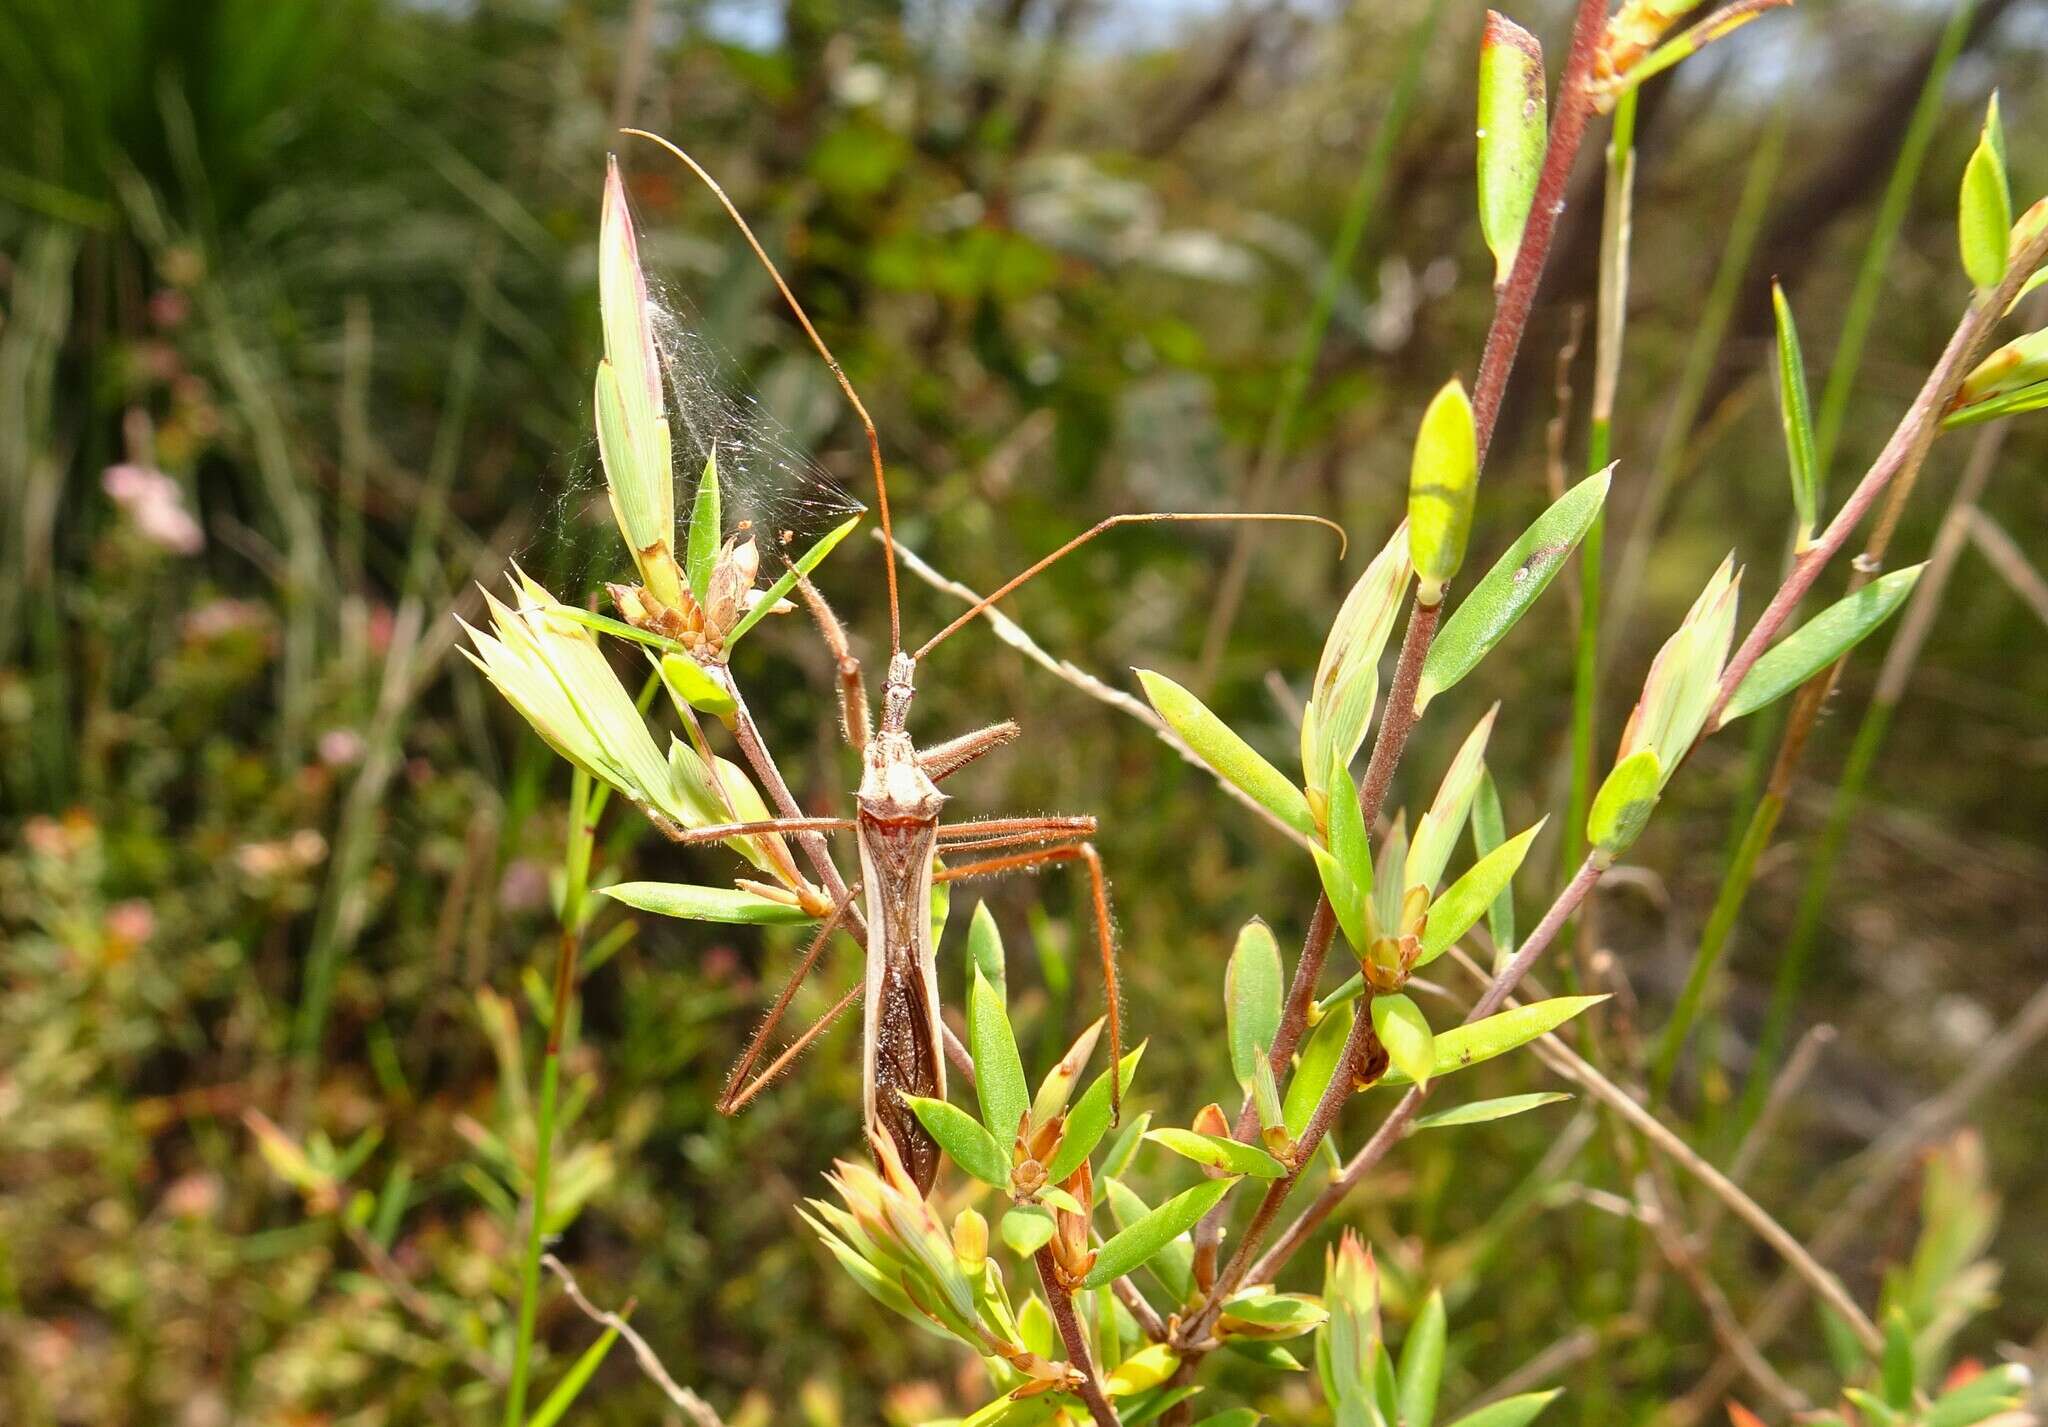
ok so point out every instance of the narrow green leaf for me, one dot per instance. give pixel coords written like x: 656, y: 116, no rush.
x: 1466, y: 900
x: 967, y: 1143
x: 1990, y: 408
x: 1443, y: 481
x: 1270, y: 1356
x: 1058, y: 1086
x: 1984, y: 211
x: 1422, y: 1363
x: 1624, y: 803
x: 1131, y: 1248
x: 1512, y: 133
x: 1125, y: 1146
x: 705, y: 904
x: 1318, y: 1063
x: 1219, y: 1152
x: 1795, y: 410
x: 1478, y: 1112
x: 1389, y: 885
x: 1489, y: 831
x: 1173, y: 1265
x: 1507, y: 590
x: 985, y: 952
x: 1088, y: 1122
x: 1027, y: 1228
x: 1819, y: 642
x: 1517, y: 1411
x: 1404, y: 1032
x: 777, y: 592
x: 688, y: 684
x: 1266, y: 1095
x: 1897, y: 1372
x: 707, y: 530
x: 1347, y: 899
x: 1871, y: 1408
x: 1502, y: 1032
x: 573, y: 1382
x: 1252, y: 992
x: 1233, y: 759
x: 1271, y: 1316
x: 998, y: 1068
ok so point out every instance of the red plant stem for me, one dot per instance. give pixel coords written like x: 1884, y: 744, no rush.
x: 1398, y: 721
x: 1062, y: 1303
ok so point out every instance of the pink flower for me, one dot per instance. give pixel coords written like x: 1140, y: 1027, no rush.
x: 153, y: 503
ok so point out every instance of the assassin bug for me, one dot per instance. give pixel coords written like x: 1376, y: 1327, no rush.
x: 899, y: 832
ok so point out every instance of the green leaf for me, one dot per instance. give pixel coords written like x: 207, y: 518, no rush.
x: 1271, y: 1316
x: 1504, y: 595
x: 1795, y: 409
x: 998, y: 1068
x: 705, y: 904
x: 1125, y: 1146
x: 1436, y: 831
x: 1235, y: 1417
x: 707, y: 529
x: 1027, y: 1228
x: 967, y: 1143
x: 1422, y: 1363
x: 1404, y: 1031
x: 1319, y: 1062
x: 1466, y: 900
x: 1347, y: 900
x: 777, y: 592
x: 1219, y: 1152
x: 1174, y: 1264
x: 1252, y: 993
x: 1896, y: 1371
x: 1133, y: 1247
x: 2012, y: 403
x: 1875, y: 1411
x: 1502, y: 1032
x: 1984, y: 212
x: 1088, y: 1122
x: 1489, y: 831
x: 1058, y: 1086
x: 1348, y: 840
x: 985, y: 951
x: 1512, y: 134
x: 1819, y: 642
x: 1443, y: 480
x: 1995, y: 1390
x: 1270, y: 1356
x: 573, y: 1382
x: 1480, y: 1111
x: 688, y: 683
x: 1517, y: 1411
x: 1389, y: 885
x: 1624, y: 803
x: 1233, y: 760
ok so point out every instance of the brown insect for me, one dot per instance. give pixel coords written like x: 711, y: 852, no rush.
x: 900, y: 835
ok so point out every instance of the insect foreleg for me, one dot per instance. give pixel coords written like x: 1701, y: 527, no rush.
x: 738, y: 1102
x: 942, y: 760
x: 853, y: 694
x: 730, y: 1102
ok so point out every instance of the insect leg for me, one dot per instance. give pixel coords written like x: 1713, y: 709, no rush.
x: 733, y: 1098
x: 720, y: 832
x: 736, y: 1103
x: 1105, y: 926
x: 853, y: 695
x: 942, y: 760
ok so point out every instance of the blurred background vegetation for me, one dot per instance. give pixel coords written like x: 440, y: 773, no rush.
x: 297, y: 324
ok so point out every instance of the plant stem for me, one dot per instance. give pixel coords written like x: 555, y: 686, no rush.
x: 1062, y: 1304
x: 576, y: 879
x: 1364, y: 200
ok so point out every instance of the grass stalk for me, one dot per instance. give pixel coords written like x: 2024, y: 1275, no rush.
x: 583, y: 809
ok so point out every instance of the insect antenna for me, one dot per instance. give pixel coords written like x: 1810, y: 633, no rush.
x: 1153, y: 517
x: 852, y: 396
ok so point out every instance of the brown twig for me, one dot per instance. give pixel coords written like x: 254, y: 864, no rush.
x: 1062, y: 1303
x: 694, y: 1407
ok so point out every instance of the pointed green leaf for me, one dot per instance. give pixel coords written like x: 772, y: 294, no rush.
x: 1271, y: 1316
x: 1896, y: 1371
x: 1133, y: 1247
x: 1443, y: 481
x: 1436, y: 832
x: 1088, y: 1122
x: 777, y: 592
x: 1233, y: 759
x: 705, y: 904
x: 1173, y: 1265
x: 1478, y: 1112
x: 998, y: 1068
x: 707, y: 529
x: 1125, y: 1146
x: 985, y: 951
x: 967, y: 1143
x: 1027, y: 1228
x: 1219, y: 1152
x: 1819, y: 642
x: 573, y: 1382
x: 1517, y: 1411
x: 1404, y: 1032
x: 688, y: 684
x: 1489, y: 831
x: 1984, y: 212
x: 1252, y: 993
x: 1388, y: 883
x: 1347, y: 900
x: 1058, y: 1085
x: 1422, y: 1363
x: 1348, y: 841
x: 1504, y: 595
x: 1512, y: 134
x: 1318, y: 1064
x: 1466, y: 900
x: 1502, y: 1032
x: 1624, y: 803
x: 1795, y: 410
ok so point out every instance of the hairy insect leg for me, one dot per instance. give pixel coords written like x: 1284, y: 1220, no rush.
x: 987, y: 834
x: 733, y: 1098
x: 942, y: 760
x: 1105, y: 926
x: 853, y: 694
x: 720, y: 832
x: 738, y: 1102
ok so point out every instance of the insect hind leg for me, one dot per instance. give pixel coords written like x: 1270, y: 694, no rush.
x: 734, y: 1097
